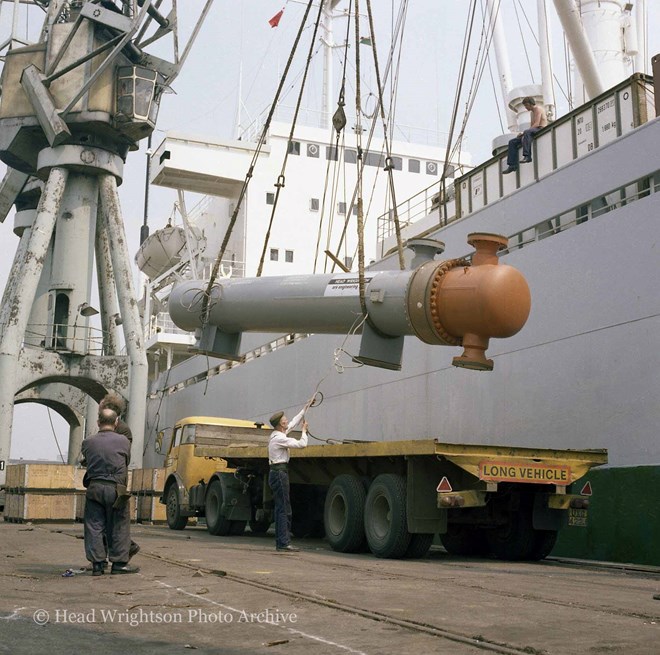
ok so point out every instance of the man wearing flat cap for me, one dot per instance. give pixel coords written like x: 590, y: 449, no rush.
x: 278, y: 476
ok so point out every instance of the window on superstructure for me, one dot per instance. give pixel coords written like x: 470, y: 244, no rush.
x: 413, y: 165
x: 288, y: 256
x: 348, y: 262
x: 274, y: 254
x: 270, y: 198
x: 341, y: 207
x: 397, y: 163
x: 354, y: 209
x: 331, y: 153
x: 350, y: 156
x: 313, y: 204
x: 293, y: 147
x: 313, y: 150
x: 374, y: 159
x: 431, y: 168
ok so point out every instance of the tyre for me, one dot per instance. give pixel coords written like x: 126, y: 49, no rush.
x: 544, y: 542
x: 385, y: 517
x: 216, y: 524
x: 465, y: 541
x: 516, y: 539
x: 237, y: 528
x: 343, y: 514
x: 419, y: 546
x: 173, y: 509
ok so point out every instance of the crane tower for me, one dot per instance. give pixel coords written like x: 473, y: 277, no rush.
x: 74, y: 103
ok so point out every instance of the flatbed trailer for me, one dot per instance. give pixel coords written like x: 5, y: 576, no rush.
x: 393, y: 497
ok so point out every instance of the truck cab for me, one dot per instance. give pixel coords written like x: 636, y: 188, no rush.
x: 203, y: 486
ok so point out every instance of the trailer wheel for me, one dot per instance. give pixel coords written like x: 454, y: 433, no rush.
x: 385, y: 517
x: 544, y: 542
x: 343, y: 514
x: 465, y: 541
x: 216, y: 524
x: 516, y: 539
x: 419, y: 545
x: 173, y: 509
x: 237, y: 528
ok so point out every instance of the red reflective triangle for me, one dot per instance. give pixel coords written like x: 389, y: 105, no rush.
x: 586, y: 490
x: 444, y: 485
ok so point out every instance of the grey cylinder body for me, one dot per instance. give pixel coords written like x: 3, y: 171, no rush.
x: 325, y: 304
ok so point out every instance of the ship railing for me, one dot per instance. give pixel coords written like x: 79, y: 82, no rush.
x: 247, y: 357
x: 600, y: 121
x: 423, y: 203
x: 66, y: 338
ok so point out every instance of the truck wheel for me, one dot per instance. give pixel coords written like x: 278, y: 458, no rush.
x: 385, y: 517
x: 343, y: 514
x: 544, y: 542
x: 216, y: 524
x: 173, y: 509
x: 515, y: 540
x: 465, y: 541
x: 419, y: 545
x: 259, y: 527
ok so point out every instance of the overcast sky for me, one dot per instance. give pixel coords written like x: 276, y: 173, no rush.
x: 237, y: 38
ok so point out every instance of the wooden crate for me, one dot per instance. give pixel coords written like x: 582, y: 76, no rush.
x: 40, y: 507
x: 153, y: 481
x: 150, y: 510
x: 136, y: 476
x: 43, y: 476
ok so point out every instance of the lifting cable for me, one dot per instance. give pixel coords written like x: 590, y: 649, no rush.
x: 339, y: 123
x: 279, y: 185
x: 459, y: 87
x: 398, y: 30
x: 389, y: 165
x: 206, y: 301
x: 359, y: 163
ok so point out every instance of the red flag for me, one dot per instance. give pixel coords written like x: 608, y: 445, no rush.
x: 275, y: 20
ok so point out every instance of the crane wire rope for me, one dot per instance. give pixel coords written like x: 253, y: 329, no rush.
x: 398, y: 35
x: 459, y: 88
x: 279, y: 185
x: 492, y: 79
x: 389, y: 165
x: 206, y: 302
x: 339, y: 122
x: 536, y: 39
x: 359, y: 163
x: 524, y: 45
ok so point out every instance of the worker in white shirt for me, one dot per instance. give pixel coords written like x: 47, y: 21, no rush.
x: 278, y: 476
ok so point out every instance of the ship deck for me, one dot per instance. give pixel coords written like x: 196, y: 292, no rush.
x: 238, y: 595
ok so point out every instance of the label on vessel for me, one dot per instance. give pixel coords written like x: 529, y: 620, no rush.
x: 532, y: 472
x: 347, y: 284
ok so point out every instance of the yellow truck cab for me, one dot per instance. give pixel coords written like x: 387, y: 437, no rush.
x: 200, y: 485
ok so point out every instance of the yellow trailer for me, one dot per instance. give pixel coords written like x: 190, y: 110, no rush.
x: 394, y: 497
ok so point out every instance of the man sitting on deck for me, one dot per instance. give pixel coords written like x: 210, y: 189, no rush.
x: 539, y: 120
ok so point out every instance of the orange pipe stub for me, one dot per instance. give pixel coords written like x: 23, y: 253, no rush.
x: 478, y: 302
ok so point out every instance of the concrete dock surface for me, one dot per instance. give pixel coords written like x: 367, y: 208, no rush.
x: 205, y: 594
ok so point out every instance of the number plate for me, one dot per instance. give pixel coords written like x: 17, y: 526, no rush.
x: 577, y: 517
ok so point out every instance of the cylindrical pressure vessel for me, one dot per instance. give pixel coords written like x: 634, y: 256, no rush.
x: 455, y: 302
